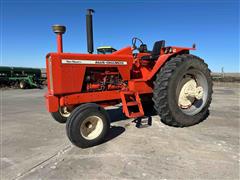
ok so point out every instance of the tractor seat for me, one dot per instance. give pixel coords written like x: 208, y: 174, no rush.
x: 155, y: 53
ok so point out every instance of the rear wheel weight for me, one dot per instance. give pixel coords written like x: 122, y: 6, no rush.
x: 87, y: 125
x: 183, y: 91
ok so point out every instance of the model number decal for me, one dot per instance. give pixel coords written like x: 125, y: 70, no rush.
x: 69, y: 61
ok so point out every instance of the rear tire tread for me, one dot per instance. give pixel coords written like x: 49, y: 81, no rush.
x: 161, y: 84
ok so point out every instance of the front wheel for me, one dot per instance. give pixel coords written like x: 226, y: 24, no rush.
x: 183, y: 91
x: 87, y: 125
x: 62, y: 114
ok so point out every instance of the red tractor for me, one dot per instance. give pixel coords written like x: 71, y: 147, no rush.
x: 169, y: 79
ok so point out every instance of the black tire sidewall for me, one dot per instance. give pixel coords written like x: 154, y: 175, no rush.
x: 58, y: 117
x: 74, y: 123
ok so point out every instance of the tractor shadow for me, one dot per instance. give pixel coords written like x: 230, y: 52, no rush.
x: 114, y: 132
x: 117, y: 115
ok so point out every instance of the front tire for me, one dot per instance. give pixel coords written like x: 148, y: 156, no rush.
x: 62, y: 114
x: 88, y: 125
x: 183, y: 91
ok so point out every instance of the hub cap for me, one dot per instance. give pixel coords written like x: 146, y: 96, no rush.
x: 189, y: 92
x: 21, y: 85
x: 64, y: 111
x: 91, y: 127
x: 192, y: 92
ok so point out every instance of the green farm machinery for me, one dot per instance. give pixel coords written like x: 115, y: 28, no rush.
x: 21, y: 77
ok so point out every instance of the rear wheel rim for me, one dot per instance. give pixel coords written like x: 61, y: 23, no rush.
x: 91, y: 127
x: 192, y: 92
x: 21, y: 85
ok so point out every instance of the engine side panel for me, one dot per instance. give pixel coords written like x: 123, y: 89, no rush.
x: 66, y: 71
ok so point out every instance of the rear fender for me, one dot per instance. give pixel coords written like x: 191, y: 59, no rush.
x: 164, y: 58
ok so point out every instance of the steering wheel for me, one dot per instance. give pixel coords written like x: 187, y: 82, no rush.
x: 134, y: 41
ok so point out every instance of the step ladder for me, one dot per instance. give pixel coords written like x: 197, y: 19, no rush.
x: 131, y: 103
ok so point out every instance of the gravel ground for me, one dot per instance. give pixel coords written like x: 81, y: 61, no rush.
x: 34, y: 146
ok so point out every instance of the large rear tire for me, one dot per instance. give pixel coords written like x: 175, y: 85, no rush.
x: 183, y: 91
x: 87, y: 125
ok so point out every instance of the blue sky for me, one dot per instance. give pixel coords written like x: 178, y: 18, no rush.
x: 26, y: 35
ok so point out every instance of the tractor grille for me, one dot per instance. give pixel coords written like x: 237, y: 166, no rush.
x: 50, y: 76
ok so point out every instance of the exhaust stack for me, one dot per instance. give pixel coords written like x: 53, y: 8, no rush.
x: 89, y: 30
x: 59, y: 30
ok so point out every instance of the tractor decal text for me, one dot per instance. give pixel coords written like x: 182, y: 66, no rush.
x: 69, y: 61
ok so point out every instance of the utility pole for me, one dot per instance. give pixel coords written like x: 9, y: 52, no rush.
x: 223, y: 72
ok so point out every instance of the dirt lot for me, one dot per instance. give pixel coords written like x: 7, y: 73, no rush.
x: 34, y: 146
